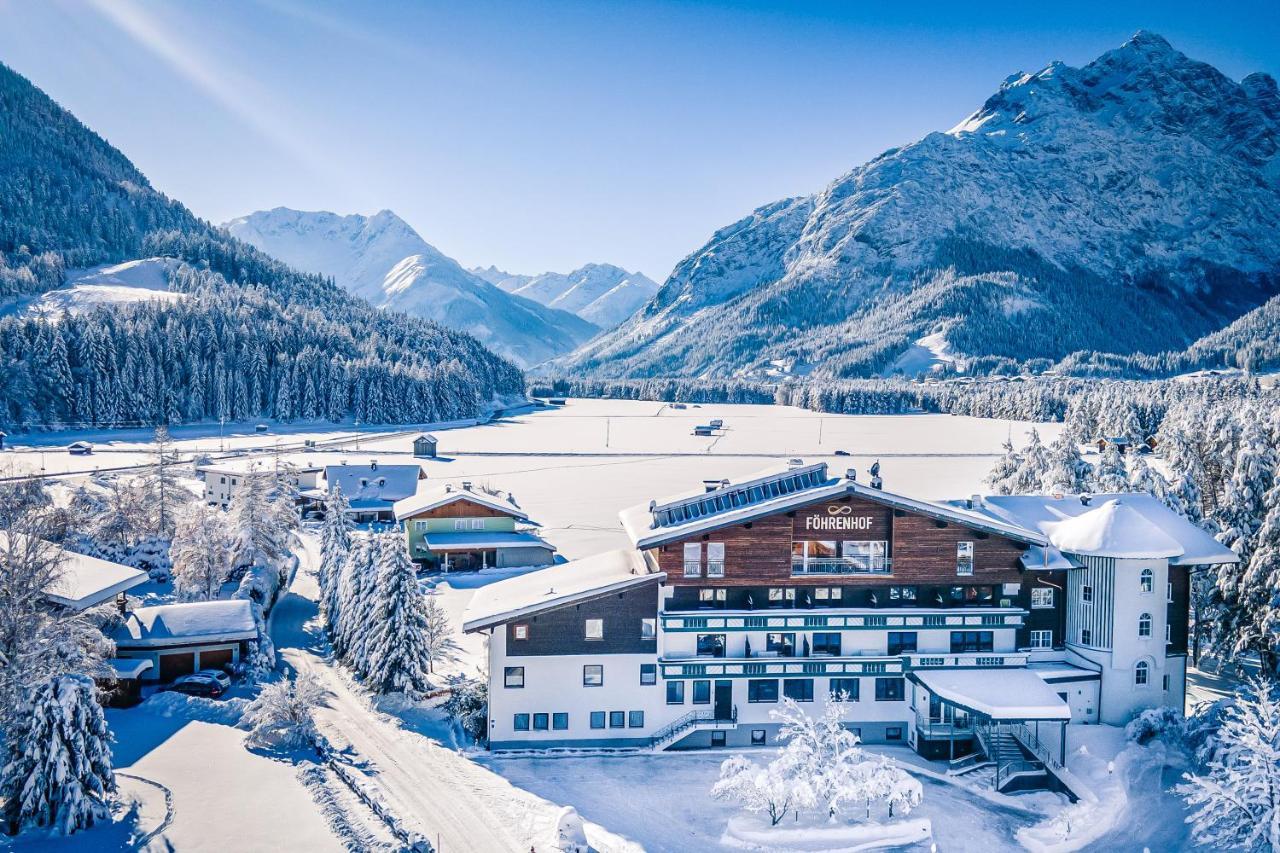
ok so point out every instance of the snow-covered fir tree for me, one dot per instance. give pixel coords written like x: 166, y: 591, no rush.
x: 397, y: 655
x: 356, y: 583
x: 1033, y: 463
x: 1001, y: 474
x: 1235, y: 801
x: 58, y: 768
x: 200, y: 553
x: 1144, y: 478
x: 1257, y: 603
x: 335, y: 544
x: 256, y: 524
x: 1067, y: 471
x: 165, y: 497
x: 1109, y: 475
x: 281, y: 715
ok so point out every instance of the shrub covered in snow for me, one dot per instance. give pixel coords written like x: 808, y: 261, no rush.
x: 1163, y: 723
x: 281, y: 715
x: 467, y: 704
x: 769, y: 790
x: 58, y: 768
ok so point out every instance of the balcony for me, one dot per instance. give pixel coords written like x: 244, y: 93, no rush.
x: 780, y: 667
x: 809, y: 566
x: 851, y: 619
x: 981, y: 660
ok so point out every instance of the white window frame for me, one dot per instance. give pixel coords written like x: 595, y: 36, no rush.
x: 1042, y: 639
x: 1041, y: 592
x: 1086, y: 637
x: 693, y: 559
x: 1141, y: 674
x: 1144, y: 621
x: 964, y: 558
x: 652, y: 629
x: 1168, y: 633
x: 587, y: 632
x: 1168, y: 594
x: 715, y: 559
x: 520, y: 632
x: 1086, y: 593
x: 1146, y: 582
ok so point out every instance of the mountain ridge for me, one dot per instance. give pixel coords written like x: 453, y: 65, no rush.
x: 602, y: 294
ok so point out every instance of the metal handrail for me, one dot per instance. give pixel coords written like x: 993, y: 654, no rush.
x: 689, y: 720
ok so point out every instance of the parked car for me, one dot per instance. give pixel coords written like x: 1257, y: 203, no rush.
x: 211, y: 683
x: 842, y: 453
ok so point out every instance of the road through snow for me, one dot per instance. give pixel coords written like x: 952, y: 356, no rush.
x: 458, y: 805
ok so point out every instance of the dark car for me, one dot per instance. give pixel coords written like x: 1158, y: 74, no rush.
x: 842, y: 453
x: 207, y: 682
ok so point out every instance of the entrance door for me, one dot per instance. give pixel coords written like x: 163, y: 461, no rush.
x: 724, y: 700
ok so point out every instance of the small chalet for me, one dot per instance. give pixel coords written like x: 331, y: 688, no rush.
x: 372, y: 490
x: 85, y: 582
x: 178, y: 639
x: 80, y: 448
x: 457, y: 529
x: 424, y: 446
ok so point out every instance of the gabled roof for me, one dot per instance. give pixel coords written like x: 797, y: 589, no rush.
x: 186, y: 624
x: 780, y: 489
x: 433, y: 497
x: 556, y: 586
x: 367, y: 485
x: 1123, y: 525
x: 82, y: 581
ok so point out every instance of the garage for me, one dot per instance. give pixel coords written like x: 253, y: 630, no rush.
x: 215, y: 658
x: 176, y: 664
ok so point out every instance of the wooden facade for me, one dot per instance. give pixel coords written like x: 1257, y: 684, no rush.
x: 561, y: 630
x: 461, y: 508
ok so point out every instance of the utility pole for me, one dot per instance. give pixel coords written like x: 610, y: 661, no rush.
x: 607, y: 423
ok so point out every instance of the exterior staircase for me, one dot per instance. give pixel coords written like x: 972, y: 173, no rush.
x: 691, y: 722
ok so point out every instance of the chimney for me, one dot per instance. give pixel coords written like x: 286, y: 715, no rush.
x: 711, y: 485
x: 448, y: 487
x: 795, y: 462
x: 373, y: 464
x: 122, y: 604
x: 851, y: 474
x: 466, y: 485
x: 876, y: 482
x: 974, y: 501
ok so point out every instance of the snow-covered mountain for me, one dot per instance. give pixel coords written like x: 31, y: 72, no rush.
x: 1131, y: 204
x: 381, y: 259
x: 601, y: 294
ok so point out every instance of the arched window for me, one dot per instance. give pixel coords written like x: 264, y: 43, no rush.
x: 1144, y: 625
x: 1141, y: 672
x: 1147, y: 580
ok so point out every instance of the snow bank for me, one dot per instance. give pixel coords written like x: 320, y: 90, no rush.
x: 749, y: 834
x: 224, y: 711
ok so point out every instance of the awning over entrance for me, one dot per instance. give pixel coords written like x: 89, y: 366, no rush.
x: 481, y: 540
x: 997, y: 694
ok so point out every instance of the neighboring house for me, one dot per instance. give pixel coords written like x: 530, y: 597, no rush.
x: 80, y: 448
x: 371, y: 490
x: 221, y: 480
x: 86, y: 582
x: 976, y: 627
x: 424, y: 446
x: 179, y: 639
x: 457, y: 529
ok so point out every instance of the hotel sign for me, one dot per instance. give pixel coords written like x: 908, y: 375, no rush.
x: 839, y: 517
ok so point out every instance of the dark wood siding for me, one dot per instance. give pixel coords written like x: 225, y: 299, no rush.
x: 1179, y: 609
x: 561, y: 631
x: 923, y: 550
x: 462, y: 508
x: 1044, y: 619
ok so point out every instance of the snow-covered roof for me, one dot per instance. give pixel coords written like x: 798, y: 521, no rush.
x: 368, y: 485
x: 1056, y: 672
x: 184, y: 624
x: 778, y: 489
x: 556, y: 586
x: 86, y: 581
x: 130, y: 667
x: 452, y: 541
x: 1004, y: 694
x: 1133, y: 526
x: 432, y: 497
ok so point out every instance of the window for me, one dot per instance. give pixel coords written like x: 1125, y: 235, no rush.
x: 971, y: 641
x: 648, y: 629
x: 675, y: 692
x: 692, y: 560
x: 1168, y: 632
x: 1141, y: 673
x: 826, y: 644
x: 865, y: 556
x: 1146, y: 581
x: 1086, y: 594
x: 757, y: 737
x: 711, y: 645
x: 718, y: 739
x: 559, y: 722
x: 592, y: 675
x: 1164, y: 682
x: 593, y: 629
x: 635, y: 719
x: 964, y: 558
x: 762, y: 690
x: 541, y: 722
x: 902, y: 593
x: 827, y: 593
x: 617, y: 720
x: 1168, y: 592
x: 1144, y: 625
x: 1042, y: 639
x: 597, y: 719
x: 715, y: 559
x: 798, y: 689
x: 893, y: 733
x: 648, y: 673
x: 522, y: 722
x: 783, y: 644
x: 513, y: 676
x: 519, y: 632
x: 844, y: 687
x: 890, y: 689
x: 902, y: 641
x: 779, y: 596
x: 702, y: 692
x: 1086, y: 636
x: 1042, y: 596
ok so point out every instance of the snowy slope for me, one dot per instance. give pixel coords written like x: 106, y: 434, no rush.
x: 1129, y: 205
x: 381, y: 259
x: 109, y: 284
x: 602, y: 294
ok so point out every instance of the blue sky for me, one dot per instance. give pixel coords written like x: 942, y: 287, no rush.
x: 542, y: 136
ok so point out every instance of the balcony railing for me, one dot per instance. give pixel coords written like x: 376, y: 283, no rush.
x: 779, y: 667
x: 842, y: 566
x: 801, y: 619
x: 966, y: 659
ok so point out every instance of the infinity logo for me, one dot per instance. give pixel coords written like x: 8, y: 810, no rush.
x: 839, y: 509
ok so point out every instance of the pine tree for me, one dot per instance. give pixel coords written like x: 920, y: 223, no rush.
x: 1145, y: 479
x: 58, y: 772
x: 397, y: 657
x: 1067, y: 471
x: 335, y: 545
x: 1258, y: 626
x: 1002, y: 472
x: 1032, y: 465
x: 358, y: 579
x: 1110, y: 475
x: 201, y: 553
